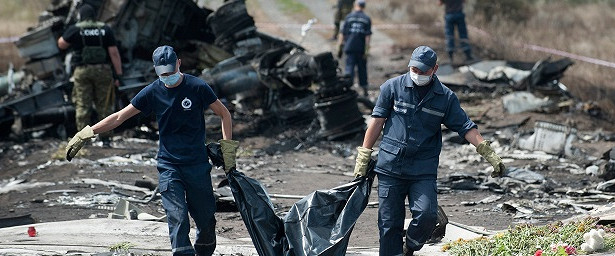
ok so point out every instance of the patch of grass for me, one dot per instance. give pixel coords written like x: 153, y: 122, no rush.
x: 292, y: 6
x: 22, y: 10
x: 527, y: 239
x: 121, y: 248
x: 16, y: 16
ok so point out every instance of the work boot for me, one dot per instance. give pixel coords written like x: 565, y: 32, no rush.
x: 469, y: 57
x: 364, y: 90
x: 407, y: 251
x: 106, y: 142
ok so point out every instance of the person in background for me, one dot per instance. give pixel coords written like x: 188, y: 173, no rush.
x: 409, y: 111
x: 94, y: 47
x: 354, y: 42
x: 455, y: 17
x: 342, y: 8
x: 178, y: 101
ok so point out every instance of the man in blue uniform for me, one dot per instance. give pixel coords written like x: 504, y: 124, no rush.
x: 409, y: 111
x: 354, y: 41
x: 454, y: 17
x: 178, y: 101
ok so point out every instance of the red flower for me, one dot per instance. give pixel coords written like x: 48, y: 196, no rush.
x: 570, y: 250
x: 538, y: 253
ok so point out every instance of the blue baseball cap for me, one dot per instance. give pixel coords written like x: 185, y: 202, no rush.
x: 361, y: 3
x: 164, y: 59
x: 424, y: 58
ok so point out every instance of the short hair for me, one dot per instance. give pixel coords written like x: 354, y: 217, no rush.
x: 86, y: 12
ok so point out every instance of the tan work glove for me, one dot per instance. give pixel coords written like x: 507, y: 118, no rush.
x: 80, y: 138
x: 363, y: 157
x: 485, y: 150
x: 229, y: 151
x: 366, y: 52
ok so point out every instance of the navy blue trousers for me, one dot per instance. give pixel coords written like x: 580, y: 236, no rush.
x: 187, y: 189
x: 358, y: 60
x: 423, y: 200
x: 458, y: 20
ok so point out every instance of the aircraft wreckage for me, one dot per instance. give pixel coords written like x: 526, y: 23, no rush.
x: 245, y: 67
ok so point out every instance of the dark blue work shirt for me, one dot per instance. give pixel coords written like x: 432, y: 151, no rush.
x: 412, y: 135
x: 357, y: 26
x: 453, y: 6
x: 180, y: 115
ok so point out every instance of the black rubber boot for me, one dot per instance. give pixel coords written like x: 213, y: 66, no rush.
x: 106, y: 142
x: 407, y: 251
x: 450, y: 56
x: 469, y: 56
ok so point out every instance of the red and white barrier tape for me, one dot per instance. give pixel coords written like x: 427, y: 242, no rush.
x: 570, y: 55
x: 11, y: 39
x: 539, y: 48
x: 329, y: 26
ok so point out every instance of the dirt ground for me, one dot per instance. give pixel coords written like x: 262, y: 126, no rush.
x: 278, y: 156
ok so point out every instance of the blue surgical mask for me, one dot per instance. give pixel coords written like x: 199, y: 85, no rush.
x: 170, y: 79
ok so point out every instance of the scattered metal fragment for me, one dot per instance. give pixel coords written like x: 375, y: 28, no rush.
x: 525, y: 175
x: 21, y: 185
x: 112, y: 184
x: 16, y: 221
x: 61, y: 191
x: 607, y: 186
x: 517, y: 102
x: 490, y: 199
x: 126, y: 210
x: 147, y: 182
x: 550, y: 138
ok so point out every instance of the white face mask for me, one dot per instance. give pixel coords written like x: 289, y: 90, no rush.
x: 420, y: 80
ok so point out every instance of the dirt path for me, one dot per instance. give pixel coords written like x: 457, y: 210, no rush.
x: 381, y: 44
x: 276, y: 22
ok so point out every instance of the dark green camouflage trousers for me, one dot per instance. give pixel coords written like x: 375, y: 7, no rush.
x: 93, y: 89
x: 340, y: 15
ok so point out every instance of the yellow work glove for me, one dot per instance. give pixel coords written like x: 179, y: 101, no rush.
x: 75, y: 144
x: 229, y: 151
x: 485, y: 150
x: 363, y: 157
x: 366, y: 51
